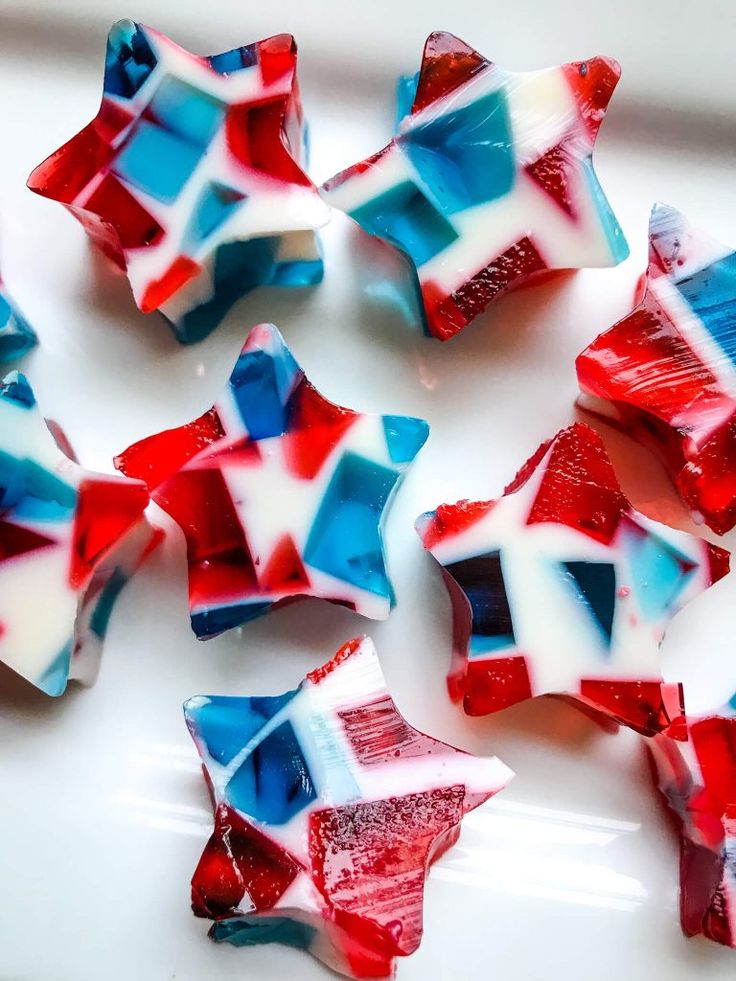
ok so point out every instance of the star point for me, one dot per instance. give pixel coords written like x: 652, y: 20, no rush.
x: 279, y: 492
x: 561, y: 587
x: 191, y: 178
x: 329, y: 809
x: 488, y: 180
x: 69, y: 540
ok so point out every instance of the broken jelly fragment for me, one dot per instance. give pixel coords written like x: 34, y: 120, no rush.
x: 489, y: 179
x: 280, y: 493
x: 666, y: 373
x: 69, y: 541
x: 329, y: 809
x: 190, y: 176
x: 561, y: 587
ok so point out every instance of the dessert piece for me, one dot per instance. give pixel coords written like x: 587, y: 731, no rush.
x: 69, y: 540
x: 17, y: 337
x: 697, y: 779
x: 560, y: 586
x: 489, y: 179
x: 280, y: 493
x: 329, y: 809
x: 190, y: 177
x: 666, y: 373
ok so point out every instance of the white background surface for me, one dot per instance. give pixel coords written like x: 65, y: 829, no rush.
x: 572, y: 872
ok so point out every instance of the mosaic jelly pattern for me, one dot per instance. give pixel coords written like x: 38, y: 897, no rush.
x: 280, y: 493
x: 560, y: 586
x: 489, y: 179
x: 69, y: 541
x: 191, y: 175
x: 329, y: 808
x: 666, y: 373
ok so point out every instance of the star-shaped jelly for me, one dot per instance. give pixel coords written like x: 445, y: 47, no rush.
x: 666, y: 373
x: 17, y: 337
x: 560, y: 586
x: 69, y: 540
x: 190, y: 177
x: 697, y: 779
x: 280, y: 493
x: 329, y: 808
x: 489, y: 179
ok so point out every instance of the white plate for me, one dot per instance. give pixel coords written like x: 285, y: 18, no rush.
x: 572, y: 873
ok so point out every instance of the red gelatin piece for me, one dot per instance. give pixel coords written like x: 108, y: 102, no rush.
x: 106, y: 511
x: 158, y: 457
x: 647, y: 707
x: 239, y: 864
x: 369, y: 861
x: 317, y: 425
x: 580, y: 488
x: 550, y: 171
x: 447, y: 62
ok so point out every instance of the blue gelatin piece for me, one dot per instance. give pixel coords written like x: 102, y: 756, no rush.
x: 711, y: 293
x: 192, y: 114
x: 405, y: 217
x: 288, y: 372
x: 258, y: 396
x: 595, y: 584
x: 32, y: 492
x: 298, y: 272
x: 53, y: 495
x: 405, y: 436
x: 17, y: 337
x: 215, y: 205
x: 264, y: 930
x: 481, y: 579
x: 157, y: 161
x: 658, y: 572
x: 216, y: 620
x: 239, y: 268
x: 54, y: 679
x: 6, y: 311
x: 16, y: 388
x: 406, y: 91
x: 227, y: 724
x: 129, y: 61
x: 617, y: 243
x: 12, y: 481
x: 345, y: 539
x: 16, y: 342
x: 273, y: 783
x: 304, y: 153
x: 234, y: 60
x: 482, y: 645
x: 465, y: 157
x: 105, y: 602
